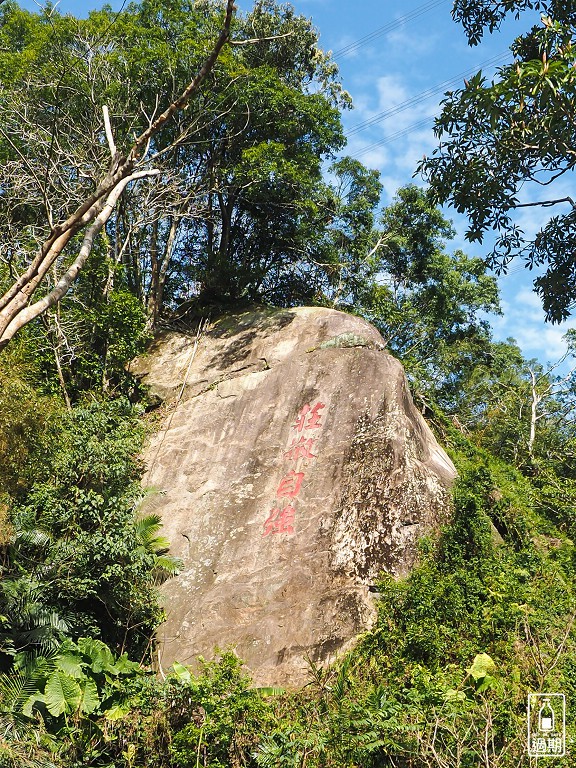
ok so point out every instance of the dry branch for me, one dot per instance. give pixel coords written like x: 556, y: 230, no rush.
x: 94, y: 210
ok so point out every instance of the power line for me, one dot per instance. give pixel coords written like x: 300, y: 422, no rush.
x: 398, y: 135
x: 421, y: 10
x: 381, y: 116
x: 404, y: 131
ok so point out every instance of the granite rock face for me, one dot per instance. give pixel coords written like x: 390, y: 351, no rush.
x: 294, y: 469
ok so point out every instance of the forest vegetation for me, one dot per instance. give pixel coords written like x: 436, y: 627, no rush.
x: 242, y: 197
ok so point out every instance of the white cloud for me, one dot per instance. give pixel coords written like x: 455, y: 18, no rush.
x: 391, y: 91
x: 415, y: 146
x: 392, y: 145
x: 343, y: 43
x: 391, y: 185
x: 544, y: 343
x: 408, y: 44
x: 523, y: 320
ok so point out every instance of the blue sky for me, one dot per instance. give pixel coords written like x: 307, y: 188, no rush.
x: 397, y: 58
x: 417, y: 52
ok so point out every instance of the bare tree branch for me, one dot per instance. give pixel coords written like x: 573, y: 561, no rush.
x: 108, y: 129
x: 94, y: 210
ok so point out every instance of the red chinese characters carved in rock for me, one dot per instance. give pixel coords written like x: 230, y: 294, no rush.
x: 280, y: 521
x: 301, y: 448
x: 309, y: 417
x: 290, y: 484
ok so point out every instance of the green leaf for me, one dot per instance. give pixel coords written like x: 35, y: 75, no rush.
x: 123, y: 666
x: 90, y: 700
x: 117, y: 712
x: 181, y: 672
x: 62, y: 693
x: 36, y: 698
x: 270, y: 691
x: 71, y: 665
x: 481, y: 666
x: 101, y: 658
x: 485, y: 683
x: 454, y: 696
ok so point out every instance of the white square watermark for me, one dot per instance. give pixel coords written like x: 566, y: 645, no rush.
x: 546, y: 724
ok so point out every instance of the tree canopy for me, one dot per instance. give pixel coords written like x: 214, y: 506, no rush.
x: 220, y: 198
x: 509, y: 145
x: 426, y: 301
x: 65, y: 161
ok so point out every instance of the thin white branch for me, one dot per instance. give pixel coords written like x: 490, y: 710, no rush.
x: 108, y: 129
x: 63, y: 285
x: 260, y: 39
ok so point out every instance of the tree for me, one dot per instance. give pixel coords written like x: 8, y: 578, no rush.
x: 520, y: 409
x: 27, y: 419
x: 351, y: 242
x: 509, y: 145
x: 77, y: 550
x: 254, y: 228
x: 425, y: 301
x: 73, y: 169
x: 236, y: 206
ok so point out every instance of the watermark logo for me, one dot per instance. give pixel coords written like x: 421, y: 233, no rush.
x: 546, y: 724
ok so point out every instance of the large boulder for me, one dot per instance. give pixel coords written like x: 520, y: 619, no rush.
x: 294, y: 469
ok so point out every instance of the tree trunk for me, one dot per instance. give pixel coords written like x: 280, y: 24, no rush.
x: 91, y: 215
